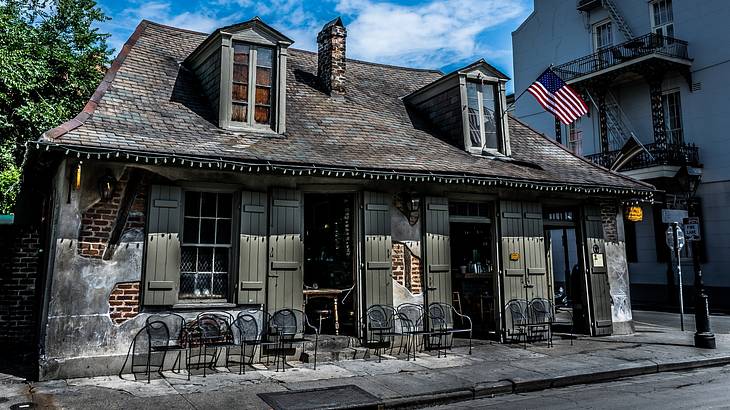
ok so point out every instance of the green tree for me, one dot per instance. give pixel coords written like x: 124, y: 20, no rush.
x: 51, y: 60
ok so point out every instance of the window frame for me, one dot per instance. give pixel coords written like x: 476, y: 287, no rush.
x: 498, y: 150
x: 662, y: 28
x: 251, y: 102
x: 232, y: 247
x: 594, y: 34
x: 672, y: 133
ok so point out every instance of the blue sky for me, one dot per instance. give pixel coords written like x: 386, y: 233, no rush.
x: 443, y: 34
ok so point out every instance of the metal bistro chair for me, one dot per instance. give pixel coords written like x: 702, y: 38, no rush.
x: 209, y: 330
x: 176, y: 342
x: 380, y: 329
x: 150, y: 342
x: 247, y: 335
x: 441, y: 319
x: 517, y: 312
x: 541, y: 320
x: 287, y: 328
x: 412, y: 317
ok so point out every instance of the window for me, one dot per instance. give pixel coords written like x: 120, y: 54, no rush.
x: 575, y: 138
x: 662, y: 18
x: 251, y: 92
x: 483, y: 120
x: 206, y: 245
x: 602, y: 35
x: 673, y: 116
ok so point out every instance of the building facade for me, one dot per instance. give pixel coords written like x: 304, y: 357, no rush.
x: 230, y: 172
x: 655, y: 70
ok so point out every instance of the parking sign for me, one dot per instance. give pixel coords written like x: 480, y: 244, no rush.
x: 692, y: 228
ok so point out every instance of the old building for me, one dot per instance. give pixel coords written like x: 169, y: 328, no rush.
x: 226, y: 170
x: 656, y: 70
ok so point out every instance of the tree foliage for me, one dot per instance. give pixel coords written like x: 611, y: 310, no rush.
x: 52, y: 58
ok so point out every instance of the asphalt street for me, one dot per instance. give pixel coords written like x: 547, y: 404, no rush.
x: 719, y: 323
x: 699, y: 389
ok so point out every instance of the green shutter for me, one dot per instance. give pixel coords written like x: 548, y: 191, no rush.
x: 162, y: 263
x: 378, y: 264
x: 285, y: 281
x: 535, y: 255
x: 438, y: 250
x: 600, y: 295
x: 513, y: 243
x: 253, y: 248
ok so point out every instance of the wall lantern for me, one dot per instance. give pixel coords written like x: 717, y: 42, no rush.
x: 107, y: 184
x: 634, y: 213
x: 410, y: 206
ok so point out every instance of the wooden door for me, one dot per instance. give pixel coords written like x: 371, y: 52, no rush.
x: 285, y: 274
x: 595, y: 260
x: 437, y: 250
x: 252, y: 266
x: 377, y: 248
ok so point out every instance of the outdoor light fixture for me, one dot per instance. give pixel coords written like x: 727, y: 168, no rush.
x: 634, y: 213
x: 689, y: 179
x: 107, y: 183
x: 409, y: 204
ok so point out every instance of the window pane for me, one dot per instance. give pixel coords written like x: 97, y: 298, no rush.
x: 240, y: 53
x: 262, y: 115
x: 208, y: 204
x: 263, y: 95
x: 239, y: 112
x: 224, y: 205
x: 202, y: 285
x: 220, y: 262
x: 190, y: 230
x: 207, y: 231
x: 205, y: 259
x: 240, y: 92
x: 188, y: 255
x: 223, y: 233
x: 490, y: 120
x: 192, y: 204
x: 240, y: 73
x: 264, y: 57
x: 472, y: 101
x: 263, y: 76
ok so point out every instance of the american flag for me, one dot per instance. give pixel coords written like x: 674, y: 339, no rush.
x: 556, y: 97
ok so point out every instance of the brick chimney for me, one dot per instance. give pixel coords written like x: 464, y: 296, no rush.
x: 331, y: 56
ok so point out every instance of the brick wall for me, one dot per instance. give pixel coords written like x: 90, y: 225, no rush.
x: 609, y: 211
x: 19, y: 262
x: 124, y: 302
x: 406, y: 267
x: 98, y: 221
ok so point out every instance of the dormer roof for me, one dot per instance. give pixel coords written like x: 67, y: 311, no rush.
x: 476, y: 68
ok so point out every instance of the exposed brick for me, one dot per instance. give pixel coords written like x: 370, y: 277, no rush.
x: 124, y: 302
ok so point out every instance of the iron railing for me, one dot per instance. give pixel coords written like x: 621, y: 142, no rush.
x: 633, y: 49
x: 677, y: 154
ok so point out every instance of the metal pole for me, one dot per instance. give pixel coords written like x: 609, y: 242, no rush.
x: 679, y: 273
x: 704, y: 337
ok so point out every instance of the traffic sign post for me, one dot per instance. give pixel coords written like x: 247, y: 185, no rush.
x: 675, y: 241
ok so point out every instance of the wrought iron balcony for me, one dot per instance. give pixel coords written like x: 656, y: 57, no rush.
x: 672, y: 154
x: 588, y: 5
x: 635, y: 50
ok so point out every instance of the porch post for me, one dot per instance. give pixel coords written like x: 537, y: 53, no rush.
x: 657, y: 111
x: 558, y: 131
x: 602, y: 120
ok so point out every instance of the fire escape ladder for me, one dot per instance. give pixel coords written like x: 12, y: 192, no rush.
x: 618, y: 125
x: 616, y: 16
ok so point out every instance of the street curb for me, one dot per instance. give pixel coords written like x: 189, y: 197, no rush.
x: 501, y: 387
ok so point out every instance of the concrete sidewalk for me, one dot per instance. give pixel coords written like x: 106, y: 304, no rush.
x: 491, y: 369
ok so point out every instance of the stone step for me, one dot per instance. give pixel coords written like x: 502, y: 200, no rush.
x: 336, y: 355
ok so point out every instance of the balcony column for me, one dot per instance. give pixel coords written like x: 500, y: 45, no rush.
x: 657, y: 111
x: 603, y: 120
x: 558, y: 131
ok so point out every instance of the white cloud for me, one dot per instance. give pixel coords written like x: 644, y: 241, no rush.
x: 426, y: 35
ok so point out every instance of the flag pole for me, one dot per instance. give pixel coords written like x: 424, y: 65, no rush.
x: 521, y: 94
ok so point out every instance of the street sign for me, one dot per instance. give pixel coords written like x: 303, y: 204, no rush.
x: 692, y: 228
x: 674, y: 215
x: 670, y: 238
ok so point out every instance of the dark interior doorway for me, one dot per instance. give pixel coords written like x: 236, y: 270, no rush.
x: 568, y: 278
x: 329, y: 251
x: 472, y: 278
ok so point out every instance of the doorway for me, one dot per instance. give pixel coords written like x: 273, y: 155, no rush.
x: 473, y: 267
x: 329, y: 261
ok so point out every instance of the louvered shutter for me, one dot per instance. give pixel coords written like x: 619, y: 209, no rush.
x: 438, y: 250
x: 378, y: 265
x: 162, y: 247
x: 600, y: 295
x: 253, y: 248
x: 285, y: 275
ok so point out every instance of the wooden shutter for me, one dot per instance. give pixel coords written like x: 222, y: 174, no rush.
x: 285, y: 278
x: 600, y: 295
x: 162, y: 263
x: 535, y: 256
x: 438, y: 250
x: 513, y: 243
x: 253, y: 248
x: 378, y: 265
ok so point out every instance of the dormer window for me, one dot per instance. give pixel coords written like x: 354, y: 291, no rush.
x: 253, y: 80
x: 482, y: 109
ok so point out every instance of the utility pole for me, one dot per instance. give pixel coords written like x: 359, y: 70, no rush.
x: 676, y: 248
x: 704, y: 338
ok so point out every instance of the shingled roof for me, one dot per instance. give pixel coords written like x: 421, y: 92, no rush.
x: 149, y: 103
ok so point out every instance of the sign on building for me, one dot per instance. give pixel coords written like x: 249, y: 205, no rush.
x: 674, y: 215
x: 692, y: 228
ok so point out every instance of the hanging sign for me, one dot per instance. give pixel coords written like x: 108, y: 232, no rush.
x: 634, y: 213
x: 514, y: 256
x: 692, y: 228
